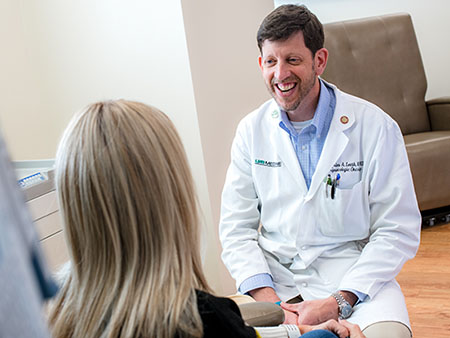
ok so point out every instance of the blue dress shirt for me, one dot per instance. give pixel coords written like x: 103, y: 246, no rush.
x: 308, y: 145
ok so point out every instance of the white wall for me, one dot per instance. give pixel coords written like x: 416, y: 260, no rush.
x: 431, y: 23
x: 223, y: 54
x: 23, y: 117
x: 63, y: 55
x: 59, y: 56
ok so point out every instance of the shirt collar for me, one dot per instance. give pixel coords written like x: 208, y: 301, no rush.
x: 320, y: 114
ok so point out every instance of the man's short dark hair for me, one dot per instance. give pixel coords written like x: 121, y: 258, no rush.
x: 286, y: 20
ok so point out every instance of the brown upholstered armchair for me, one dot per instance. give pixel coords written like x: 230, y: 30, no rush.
x: 379, y: 60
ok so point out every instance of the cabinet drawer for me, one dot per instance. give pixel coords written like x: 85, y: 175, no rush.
x: 43, y: 205
x: 48, y: 225
x: 55, y: 251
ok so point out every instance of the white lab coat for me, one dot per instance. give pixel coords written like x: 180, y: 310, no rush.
x: 312, y: 244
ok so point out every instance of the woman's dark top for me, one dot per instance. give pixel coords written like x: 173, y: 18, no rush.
x: 221, y: 317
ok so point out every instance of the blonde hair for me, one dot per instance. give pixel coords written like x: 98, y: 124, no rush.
x: 131, y: 223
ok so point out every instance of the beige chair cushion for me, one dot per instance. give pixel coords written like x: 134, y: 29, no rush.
x: 429, y: 158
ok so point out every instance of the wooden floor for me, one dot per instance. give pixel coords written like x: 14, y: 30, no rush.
x: 425, y: 281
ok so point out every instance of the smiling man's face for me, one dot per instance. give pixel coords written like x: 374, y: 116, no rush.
x: 289, y: 71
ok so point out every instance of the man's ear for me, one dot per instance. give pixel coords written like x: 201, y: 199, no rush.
x: 260, y: 62
x: 320, y: 60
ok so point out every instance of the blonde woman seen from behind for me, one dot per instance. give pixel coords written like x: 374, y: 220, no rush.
x: 129, y: 209
x: 131, y: 223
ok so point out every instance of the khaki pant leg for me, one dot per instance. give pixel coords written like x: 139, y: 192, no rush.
x: 387, y: 330
x: 241, y: 299
x: 258, y: 313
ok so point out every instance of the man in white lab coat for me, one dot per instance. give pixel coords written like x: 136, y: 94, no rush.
x: 318, y: 205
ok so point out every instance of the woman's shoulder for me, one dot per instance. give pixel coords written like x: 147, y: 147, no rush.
x: 207, y: 302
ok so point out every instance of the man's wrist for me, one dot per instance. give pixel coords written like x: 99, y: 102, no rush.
x: 266, y: 294
x: 350, y: 297
x: 345, y: 309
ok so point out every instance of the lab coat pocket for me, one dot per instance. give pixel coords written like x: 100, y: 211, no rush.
x: 347, y: 214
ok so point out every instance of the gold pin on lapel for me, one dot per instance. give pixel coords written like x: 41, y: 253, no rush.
x: 344, y: 119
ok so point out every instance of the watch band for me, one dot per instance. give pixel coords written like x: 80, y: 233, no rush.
x: 342, y: 304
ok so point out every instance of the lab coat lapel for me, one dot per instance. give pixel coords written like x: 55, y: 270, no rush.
x: 286, y: 151
x: 334, y: 146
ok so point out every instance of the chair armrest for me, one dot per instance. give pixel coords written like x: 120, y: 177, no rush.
x: 439, y: 112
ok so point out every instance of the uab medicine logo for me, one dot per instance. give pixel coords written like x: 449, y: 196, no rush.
x: 267, y: 163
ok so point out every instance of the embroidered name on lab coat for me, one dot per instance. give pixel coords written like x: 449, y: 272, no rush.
x: 344, y: 167
x: 267, y: 163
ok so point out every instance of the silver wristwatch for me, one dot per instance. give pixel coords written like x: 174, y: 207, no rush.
x: 345, y: 309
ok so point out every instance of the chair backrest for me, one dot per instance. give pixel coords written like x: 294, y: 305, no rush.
x: 378, y: 59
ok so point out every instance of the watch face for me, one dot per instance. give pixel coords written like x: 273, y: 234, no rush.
x: 346, y: 311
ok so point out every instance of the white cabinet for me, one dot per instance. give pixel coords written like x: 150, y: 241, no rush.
x: 43, y: 206
x: 47, y: 219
